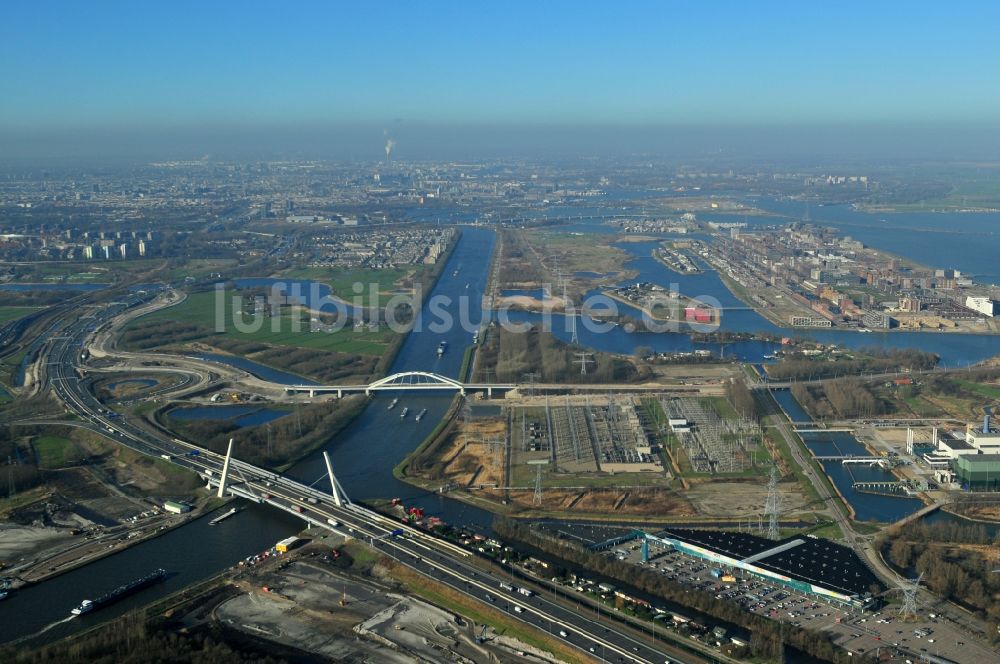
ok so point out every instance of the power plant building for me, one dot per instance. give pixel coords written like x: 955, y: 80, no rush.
x: 978, y: 472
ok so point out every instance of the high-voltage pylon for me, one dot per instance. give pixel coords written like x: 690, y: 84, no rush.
x: 497, y: 449
x: 908, y: 610
x: 772, y: 506
x: 582, y: 359
x: 537, y: 499
x: 570, y: 312
x: 531, y: 377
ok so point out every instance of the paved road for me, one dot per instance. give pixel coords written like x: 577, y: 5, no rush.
x: 428, y: 555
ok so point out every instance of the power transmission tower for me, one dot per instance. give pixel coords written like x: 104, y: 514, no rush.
x: 908, y: 610
x: 582, y: 359
x: 772, y: 507
x: 496, y: 447
x: 537, y: 499
x: 570, y: 312
x: 532, y: 377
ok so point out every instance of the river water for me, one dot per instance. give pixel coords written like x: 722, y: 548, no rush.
x: 953, y: 349
x: 867, y: 507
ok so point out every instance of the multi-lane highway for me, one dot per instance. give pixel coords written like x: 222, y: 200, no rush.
x: 414, y: 548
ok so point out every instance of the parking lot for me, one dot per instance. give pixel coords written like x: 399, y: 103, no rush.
x: 861, y: 632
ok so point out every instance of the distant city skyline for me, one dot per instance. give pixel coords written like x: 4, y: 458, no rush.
x: 123, y: 68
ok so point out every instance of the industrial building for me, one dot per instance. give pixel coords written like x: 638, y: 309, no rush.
x: 973, y: 459
x: 986, y: 439
x: 983, y: 305
x: 978, y: 472
x: 176, y: 507
x: 805, y: 564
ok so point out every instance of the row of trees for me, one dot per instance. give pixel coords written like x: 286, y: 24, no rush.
x: 767, y: 635
x: 509, y: 355
x: 952, y: 566
x: 151, y: 334
x: 519, y: 264
x: 322, y: 365
x: 954, y: 385
x: 742, y: 399
x: 844, y: 397
x: 280, y: 441
x: 19, y: 471
x: 869, y: 360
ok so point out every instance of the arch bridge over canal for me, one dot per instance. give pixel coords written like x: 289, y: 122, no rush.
x: 406, y: 381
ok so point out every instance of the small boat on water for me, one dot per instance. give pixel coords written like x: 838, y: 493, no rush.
x: 421, y: 414
x: 392, y: 404
x: 402, y: 414
x: 441, y: 348
x: 223, y: 517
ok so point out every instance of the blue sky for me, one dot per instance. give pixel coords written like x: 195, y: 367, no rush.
x: 173, y: 63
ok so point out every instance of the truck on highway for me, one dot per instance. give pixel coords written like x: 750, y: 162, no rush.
x: 525, y: 592
x: 333, y: 522
x: 506, y: 586
x: 312, y: 500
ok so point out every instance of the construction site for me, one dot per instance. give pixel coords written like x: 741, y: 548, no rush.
x: 588, y: 456
x: 607, y: 456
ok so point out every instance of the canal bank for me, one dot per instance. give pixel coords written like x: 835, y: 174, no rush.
x: 364, y: 454
x: 864, y: 506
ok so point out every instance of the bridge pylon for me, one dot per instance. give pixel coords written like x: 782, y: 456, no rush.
x: 339, y: 495
x: 225, y: 470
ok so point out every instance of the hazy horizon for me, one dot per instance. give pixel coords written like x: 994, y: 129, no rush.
x: 448, y: 80
x: 417, y: 142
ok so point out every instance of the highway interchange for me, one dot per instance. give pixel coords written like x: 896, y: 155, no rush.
x: 417, y: 550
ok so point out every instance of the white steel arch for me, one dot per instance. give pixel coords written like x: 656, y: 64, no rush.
x: 416, y: 379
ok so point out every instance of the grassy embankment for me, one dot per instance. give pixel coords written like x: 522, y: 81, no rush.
x: 8, y: 314
x: 399, y: 472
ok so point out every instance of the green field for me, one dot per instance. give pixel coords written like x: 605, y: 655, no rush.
x: 13, y: 313
x: 986, y: 390
x: 55, y: 452
x: 342, y: 282
x: 200, y: 308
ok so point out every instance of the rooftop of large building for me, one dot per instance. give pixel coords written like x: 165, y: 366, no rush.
x: 819, y: 562
x: 956, y: 444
